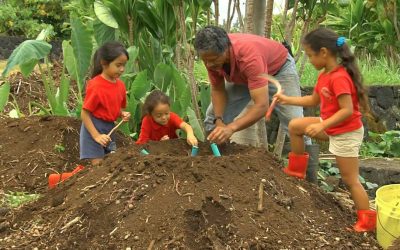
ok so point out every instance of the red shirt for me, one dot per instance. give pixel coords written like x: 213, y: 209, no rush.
x: 329, y: 87
x: 104, y: 99
x: 153, y: 131
x: 250, y: 56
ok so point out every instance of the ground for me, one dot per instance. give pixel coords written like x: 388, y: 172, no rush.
x: 166, y: 200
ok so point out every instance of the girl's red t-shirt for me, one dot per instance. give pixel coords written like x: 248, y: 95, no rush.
x: 153, y: 131
x: 329, y: 87
x: 105, y: 99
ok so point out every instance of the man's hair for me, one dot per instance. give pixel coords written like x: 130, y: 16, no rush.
x: 212, y: 39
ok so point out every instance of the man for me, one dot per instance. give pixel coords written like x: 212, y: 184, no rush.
x: 234, y: 63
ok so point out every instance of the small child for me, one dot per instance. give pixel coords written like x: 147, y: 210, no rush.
x: 339, y: 91
x: 105, y: 96
x: 159, y: 123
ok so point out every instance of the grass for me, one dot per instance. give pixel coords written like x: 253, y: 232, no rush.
x: 16, y: 199
x: 374, y: 71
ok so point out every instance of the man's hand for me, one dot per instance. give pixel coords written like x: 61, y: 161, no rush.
x: 125, y: 116
x: 220, y: 134
x: 103, y: 139
x: 314, y: 129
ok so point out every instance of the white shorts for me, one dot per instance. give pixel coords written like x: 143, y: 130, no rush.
x: 347, y: 144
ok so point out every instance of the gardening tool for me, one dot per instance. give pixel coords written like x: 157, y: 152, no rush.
x: 55, y: 179
x: 274, y: 81
x: 144, y: 152
x: 215, y: 149
x: 195, y: 151
x: 114, y: 128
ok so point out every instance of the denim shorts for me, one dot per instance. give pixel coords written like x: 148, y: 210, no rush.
x: 88, y: 147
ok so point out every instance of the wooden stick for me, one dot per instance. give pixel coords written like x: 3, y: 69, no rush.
x: 261, y: 196
x: 112, y: 130
x: 151, y: 245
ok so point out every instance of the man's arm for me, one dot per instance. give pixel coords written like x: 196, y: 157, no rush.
x: 259, y: 96
x: 218, y: 99
x: 255, y: 111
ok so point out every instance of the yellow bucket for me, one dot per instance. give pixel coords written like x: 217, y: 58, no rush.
x: 388, y: 214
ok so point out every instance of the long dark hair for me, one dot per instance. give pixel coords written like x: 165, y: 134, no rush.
x: 107, y: 52
x: 323, y: 37
x: 152, y: 100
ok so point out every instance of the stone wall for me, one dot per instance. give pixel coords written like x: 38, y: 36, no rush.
x: 9, y: 43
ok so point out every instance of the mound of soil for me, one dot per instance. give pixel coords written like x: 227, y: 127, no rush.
x: 165, y: 200
x: 32, y: 148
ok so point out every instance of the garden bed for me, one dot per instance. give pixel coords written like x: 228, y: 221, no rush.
x: 165, y: 200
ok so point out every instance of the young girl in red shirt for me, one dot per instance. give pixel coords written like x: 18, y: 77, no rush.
x: 105, y: 97
x: 159, y: 123
x: 339, y: 91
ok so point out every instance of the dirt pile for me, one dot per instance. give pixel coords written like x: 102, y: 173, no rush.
x: 169, y: 200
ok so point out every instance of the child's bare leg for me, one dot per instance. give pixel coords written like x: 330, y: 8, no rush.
x: 297, y: 128
x: 96, y: 161
x: 349, y: 169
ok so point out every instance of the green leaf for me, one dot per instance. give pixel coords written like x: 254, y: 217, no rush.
x: 371, y: 185
x: 133, y: 53
x: 102, y: 32
x: 4, y: 92
x: 205, y: 98
x: 333, y: 171
x: 140, y: 85
x: 362, y: 180
x: 163, y: 75
x: 195, y: 124
x: 81, y: 41
x: 104, y: 14
x: 26, y: 55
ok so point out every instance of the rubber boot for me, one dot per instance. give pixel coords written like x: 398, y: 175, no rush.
x: 297, y: 165
x: 366, y: 221
x: 313, y: 163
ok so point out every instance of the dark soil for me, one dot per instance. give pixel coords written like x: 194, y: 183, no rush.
x: 166, y: 200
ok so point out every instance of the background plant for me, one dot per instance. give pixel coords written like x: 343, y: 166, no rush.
x: 382, y: 145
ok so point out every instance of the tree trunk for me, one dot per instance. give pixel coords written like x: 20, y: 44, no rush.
x: 228, y: 16
x: 259, y: 17
x: 240, y: 18
x: 290, y: 26
x: 284, y: 14
x: 268, y: 18
x: 216, y: 7
x: 249, y: 27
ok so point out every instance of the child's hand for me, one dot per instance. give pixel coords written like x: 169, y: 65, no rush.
x: 165, y: 137
x: 125, y: 116
x: 281, y: 98
x: 314, y: 129
x: 192, y: 140
x: 103, y: 139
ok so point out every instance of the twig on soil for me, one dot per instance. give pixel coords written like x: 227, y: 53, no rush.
x: 176, y: 188
x: 87, y: 188
x: 173, y: 178
x: 150, y: 247
x: 72, y: 222
x: 113, y: 231
x: 261, y: 196
x: 36, y: 165
x: 19, y: 85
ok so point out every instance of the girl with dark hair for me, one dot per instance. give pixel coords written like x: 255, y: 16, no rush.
x: 105, y: 96
x: 159, y: 123
x: 340, y: 94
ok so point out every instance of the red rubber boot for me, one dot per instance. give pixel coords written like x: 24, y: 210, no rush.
x: 366, y: 221
x: 297, y: 165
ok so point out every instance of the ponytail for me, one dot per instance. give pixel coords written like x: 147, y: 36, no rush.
x: 348, y: 61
